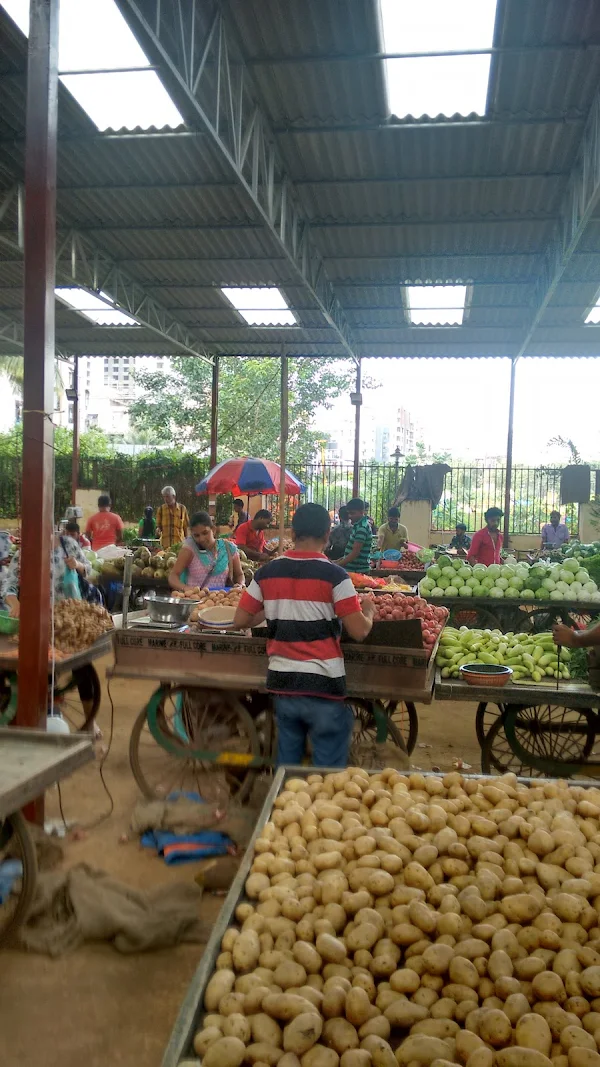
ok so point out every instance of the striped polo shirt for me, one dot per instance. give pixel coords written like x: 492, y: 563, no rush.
x: 361, y: 532
x: 304, y: 596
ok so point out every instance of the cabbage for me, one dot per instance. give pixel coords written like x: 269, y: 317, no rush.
x: 457, y: 564
x: 534, y: 583
x: 566, y: 576
x: 571, y: 565
x: 562, y: 587
x: 457, y: 581
x: 436, y: 591
x: 512, y: 592
x: 480, y: 570
x: 556, y: 594
x: 465, y: 590
x: 541, y: 593
x: 472, y: 582
x: 507, y: 571
x: 434, y: 571
x: 522, y: 570
x: 527, y: 594
x: 575, y: 588
x: 496, y: 591
x: 511, y: 561
x: 537, y: 571
x: 444, y: 562
x: 501, y: 583
x: 583, y: 595
x: 479, y: 590
x: 516, y: 582
x: 425, y: 587
x: 443, y: 582
x: 487, y: 582
x: 494, y: 570
x: 590, y: 587
x: 451, y: 591
x: 549, y: 584
x: 465, y: 571
x: 582, y: 576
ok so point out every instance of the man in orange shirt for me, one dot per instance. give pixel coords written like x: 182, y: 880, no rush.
x: 250, y: 537
x: 104, y: 528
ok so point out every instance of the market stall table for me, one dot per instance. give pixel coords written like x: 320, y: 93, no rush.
x: 511, y: 613
x: 533, y: 728
x: 30, y: 761
x: 76, y: 686
x: 214, y: 711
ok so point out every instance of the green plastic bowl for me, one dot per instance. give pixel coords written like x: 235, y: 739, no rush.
x: 7, y: 624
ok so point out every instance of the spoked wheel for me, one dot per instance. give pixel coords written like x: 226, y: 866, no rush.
x: 404, y: 715
x: 537, y: 621
x: 186, y: 720
x: 549, y: 732
x: 485, y: 718
x: 368, y: 747
x: 19, y: 863
x: 78, y: 698
x: 8, y: 698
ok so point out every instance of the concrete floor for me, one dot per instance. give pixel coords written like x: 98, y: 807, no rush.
x: 96, y: 1008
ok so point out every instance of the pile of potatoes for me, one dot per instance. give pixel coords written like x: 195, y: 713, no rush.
x: 412, y: 921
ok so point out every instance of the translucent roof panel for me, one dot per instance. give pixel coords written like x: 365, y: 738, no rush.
x: 437, y: 85
x: 262, y: 306
x: 436, y: 305
x: 100, y: 311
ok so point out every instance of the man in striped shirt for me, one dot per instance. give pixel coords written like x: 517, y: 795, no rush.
x: 358, y: 550
x: 306, y: 599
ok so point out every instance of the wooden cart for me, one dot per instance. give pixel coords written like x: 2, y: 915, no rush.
x: 532, y: 728
x: 30, y: 761
x: 211, y: 707
x: 76, y: 686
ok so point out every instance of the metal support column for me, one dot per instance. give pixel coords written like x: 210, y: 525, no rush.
x: 38, y: 377
x: 214, y: 412
x: 75, y: 464
x: 509, y: 451
x: 356, y: 399
x: 283, y: 444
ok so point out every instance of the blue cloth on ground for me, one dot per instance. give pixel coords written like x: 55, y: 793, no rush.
x: 10, y: 872
x: 187, y: 848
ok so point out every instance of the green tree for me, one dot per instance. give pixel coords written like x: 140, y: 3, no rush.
x: 176, y: 407
x: 423, y: 455
x: 12, y: 368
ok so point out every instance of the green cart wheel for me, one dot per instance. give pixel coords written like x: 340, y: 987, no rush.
x: 485, y: 718
x: 553, y: 734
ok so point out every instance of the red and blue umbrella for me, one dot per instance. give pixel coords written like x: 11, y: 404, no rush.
x: 247, y: 475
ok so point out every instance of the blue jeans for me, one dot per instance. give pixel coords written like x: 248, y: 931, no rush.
x: 328, y: 724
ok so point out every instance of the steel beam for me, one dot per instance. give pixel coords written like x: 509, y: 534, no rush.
x: 79, y: 263
x: 321, y: 224
x: 573, y: 118
x: 369, y: 57
x: 579, y: 204
x: 221, y: 102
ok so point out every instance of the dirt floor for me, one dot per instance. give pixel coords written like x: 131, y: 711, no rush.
x: 97, y: 1007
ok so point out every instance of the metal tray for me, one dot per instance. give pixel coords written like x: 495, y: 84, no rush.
x: 31, y: 760
x: 192, y: 1009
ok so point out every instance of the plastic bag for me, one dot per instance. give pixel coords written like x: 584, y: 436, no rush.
x: 71, y: 585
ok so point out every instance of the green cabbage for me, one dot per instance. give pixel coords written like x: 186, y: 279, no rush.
x: 434, y: 571
x: 501, y: 583
x: 497, y: 592
x: 494, y: 570
x: 465, y: 590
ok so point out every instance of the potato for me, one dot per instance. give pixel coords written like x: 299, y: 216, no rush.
x: 590, y: 981
x: 218, y: 986
x: 355, y: 1057
x: 358, y: 1007
x: 517, y: 1056
x: 340, y: 1035
x: 319, y: 1056
x: 495, y: 1028
x: 245, y: 951
x: 436, y: 959
x: 549, y: 986
x: 205, y: 1038
x: 306, y: 954
x: 520, y: 908
x: 227, y: 1052
x: 421, y: 1049
x: 583, y: 1057
x: 576, y: 1037
x: 532, y: 1031
x: 237, y: 1025
x: 265, y: 1030
x: 262, y: 1053
x: 285, y: 1006
x: 405, y: 1013
x: 302, y: 1033
x: 330, y: 948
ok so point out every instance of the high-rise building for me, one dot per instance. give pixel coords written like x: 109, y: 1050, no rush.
x: 405, y: 431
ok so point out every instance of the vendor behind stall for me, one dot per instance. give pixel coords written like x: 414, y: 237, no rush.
x: 392, y: 534
x: 461, y: 540
x: 358, y: 550
x: 250, y: 536
x: 487, y: 543
x: 306, y: 599
x: 204, y: 561
x: 147, y: 525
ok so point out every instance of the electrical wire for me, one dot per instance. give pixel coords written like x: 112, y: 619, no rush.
x: 106, y: 815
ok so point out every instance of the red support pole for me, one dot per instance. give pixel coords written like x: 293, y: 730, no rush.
x: 38, y: 380
x: 75, y: 466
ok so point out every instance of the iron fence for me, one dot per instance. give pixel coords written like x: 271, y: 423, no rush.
x: 330, y: 484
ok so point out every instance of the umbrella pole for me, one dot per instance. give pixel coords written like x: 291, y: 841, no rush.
x: 283, y: 445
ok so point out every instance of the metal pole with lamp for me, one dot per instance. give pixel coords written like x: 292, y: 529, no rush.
x: 283, y: 445
x: 356, y: 401
x: 73, y: 397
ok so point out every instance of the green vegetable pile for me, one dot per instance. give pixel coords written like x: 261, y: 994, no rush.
x: 512, y: 580
x: 532, y: 656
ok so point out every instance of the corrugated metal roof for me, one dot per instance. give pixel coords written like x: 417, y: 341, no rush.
x: 388, y: 206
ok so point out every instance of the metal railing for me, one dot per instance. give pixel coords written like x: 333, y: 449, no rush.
x: 330, y: 484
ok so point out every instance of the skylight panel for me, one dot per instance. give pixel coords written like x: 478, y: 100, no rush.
x: 98, y: 309
x: 264, y: 306
x: 593, y: 316
x: 436, y: 305
x: 442, y: 85
x: 94, y: 36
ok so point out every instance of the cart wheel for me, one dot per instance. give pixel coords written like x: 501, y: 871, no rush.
x: 8, y: 698
x: 78, y: 699
x: 550, y: 732
x: 537, y: 621
x: 193, y: 718
x: 485, y: 718
x: 366, y: 750
x: 16, y: 846
x: 404, y: 715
